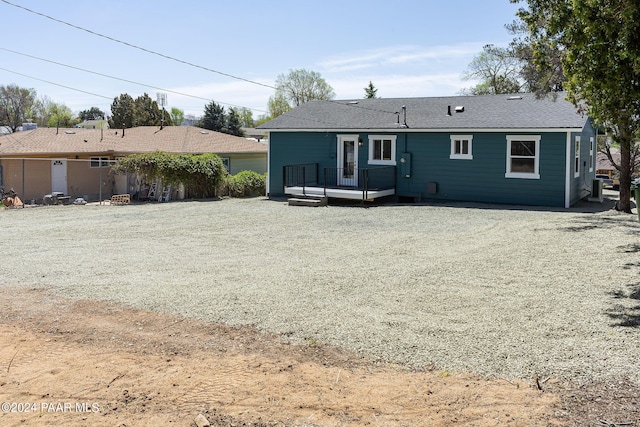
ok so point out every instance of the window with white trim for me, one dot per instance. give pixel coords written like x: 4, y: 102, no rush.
x: 523, y: 156
x: 592, y: 150
x: 576, y: 166
x: 461, y: 147
x: 99, y: 162
x: 382, y: 150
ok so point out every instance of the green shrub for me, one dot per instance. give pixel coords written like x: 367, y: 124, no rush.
x: 200, y: 173
x: 246, y: 184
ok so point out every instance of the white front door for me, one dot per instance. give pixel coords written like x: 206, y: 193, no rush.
x: 348, y: 160
x: 59, y: 175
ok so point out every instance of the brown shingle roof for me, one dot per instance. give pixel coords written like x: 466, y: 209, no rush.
x: 143, y: 139
x: 603, y: 163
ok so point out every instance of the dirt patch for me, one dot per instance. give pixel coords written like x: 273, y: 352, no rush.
x: 77, y: 363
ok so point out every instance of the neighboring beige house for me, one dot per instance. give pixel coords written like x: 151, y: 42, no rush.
x: 604, y: 166
x: 93, y: 124
x: 77, y: 161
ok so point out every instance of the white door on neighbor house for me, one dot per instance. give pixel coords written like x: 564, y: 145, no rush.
x: 59, y: 175
x: 348, y: 160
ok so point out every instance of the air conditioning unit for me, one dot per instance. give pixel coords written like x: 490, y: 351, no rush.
x: 596, y: 189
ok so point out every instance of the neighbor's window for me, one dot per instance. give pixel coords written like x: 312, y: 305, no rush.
x: 99, y: 162
x: 523, y: 156
x: 227, y: 164
x: 461, y: 147
x: 382, y: 150
x: 576, y: 169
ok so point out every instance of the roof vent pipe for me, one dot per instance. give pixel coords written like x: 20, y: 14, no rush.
x: 449, y: 110
x: 122, y: 131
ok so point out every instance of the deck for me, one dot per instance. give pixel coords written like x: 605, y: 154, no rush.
x: 339, y: 193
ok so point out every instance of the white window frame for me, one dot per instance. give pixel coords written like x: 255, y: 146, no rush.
x: 536, y: 165
x: 576, y: 163
x: 101, y: 162
x: 461, y: 156
x: 591, y: 153
x: 372, y: 139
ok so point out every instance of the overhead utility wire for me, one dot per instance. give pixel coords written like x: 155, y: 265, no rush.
x: 106, y: 97
x: 138, y: 47
x: 119, y: 78
x: 56, y: 84
x: 167, y: 56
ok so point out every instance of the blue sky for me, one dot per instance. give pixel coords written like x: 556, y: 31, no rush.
x: 407, y: 48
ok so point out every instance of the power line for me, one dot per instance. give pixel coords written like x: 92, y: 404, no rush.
x: 56, y: 84
x: 137, y: 47
x: 122, y: 79
x: 153, y: 53
x: 113, y: 39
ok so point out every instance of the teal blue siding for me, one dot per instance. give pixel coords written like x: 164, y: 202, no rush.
x: 481, y: 179
x: 580, y: 187
x: 299, y: 148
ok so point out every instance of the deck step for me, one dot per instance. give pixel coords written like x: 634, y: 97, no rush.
x: 308, y: 201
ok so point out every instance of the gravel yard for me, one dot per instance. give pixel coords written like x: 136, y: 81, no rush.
x: 492, y: 290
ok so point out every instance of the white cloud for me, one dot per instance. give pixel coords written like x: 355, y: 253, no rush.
x: 399, y: 55
x: 401, y: 85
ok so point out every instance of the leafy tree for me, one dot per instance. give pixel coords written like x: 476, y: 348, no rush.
x: 370, y: 91
x: 602, y: 64
x: 262, y: 119
x: 40, y: 111
x: 537, y: 80
x: 15, y: 105
x: 277, y: 105
x: 61, y: 116
x: 296, y: 88
x: 498, y: 71
x: 121, y: 112
x: 177, y: 116
x: 214, y: 118
x: 246, y: 117
x: 93, y: 113
x: 234, y: 126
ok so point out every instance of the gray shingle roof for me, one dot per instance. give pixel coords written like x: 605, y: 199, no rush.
x: 519, y: 111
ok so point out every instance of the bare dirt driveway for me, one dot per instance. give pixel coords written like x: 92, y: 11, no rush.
x: 128, y: 367
x: 70, y: 360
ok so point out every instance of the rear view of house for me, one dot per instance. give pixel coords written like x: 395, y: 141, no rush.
x: 512, y: 149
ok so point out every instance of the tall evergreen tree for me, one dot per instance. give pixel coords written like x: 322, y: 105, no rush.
x: 234, y: 125
x: 214, y: 118
x: 93, y: 113
x: 370, y: 91
x: 147, y: 113
x: 121, y: 112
